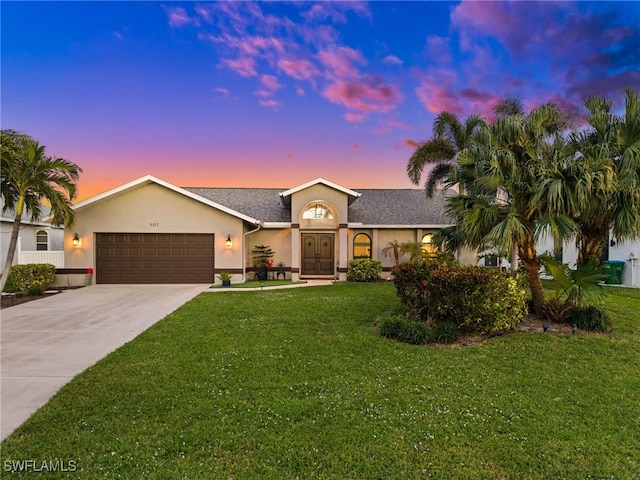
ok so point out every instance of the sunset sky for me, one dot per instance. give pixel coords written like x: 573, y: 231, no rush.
x: 276, y: 94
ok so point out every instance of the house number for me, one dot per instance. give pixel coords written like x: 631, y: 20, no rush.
x: 154, y: 224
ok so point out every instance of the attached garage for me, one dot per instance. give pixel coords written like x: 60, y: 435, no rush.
x: 154, y: 258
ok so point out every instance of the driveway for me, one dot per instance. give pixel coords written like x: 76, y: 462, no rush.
x: 45, y: 343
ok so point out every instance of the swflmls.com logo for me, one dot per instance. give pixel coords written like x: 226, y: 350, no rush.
x: 56, y: 465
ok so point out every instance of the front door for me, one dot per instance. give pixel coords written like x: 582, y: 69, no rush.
x: 317, y: 253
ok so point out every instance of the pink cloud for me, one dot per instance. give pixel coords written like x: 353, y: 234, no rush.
x: 178, y: 17
x: 222, y: 91
x: 438, y: 50
x: 354, y: 117
x: 412, y: 144
x: 391, y: 60
x: 341, y: 62
x: 366, y: 95
x: 270, y: 82
x: 244, y: 66
x: 263, y: 93
x: 298, y: 69
x: 269, y: 103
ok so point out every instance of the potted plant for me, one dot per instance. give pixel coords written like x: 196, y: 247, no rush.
x: 262, y: 255
x: 226, y: 279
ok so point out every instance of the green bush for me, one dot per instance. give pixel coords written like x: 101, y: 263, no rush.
x: 445, y: 333
x: 405, y: 330
x: 471, y: 298
x: 591, y: 318
x: 33, y: 278
x: 364, y: 270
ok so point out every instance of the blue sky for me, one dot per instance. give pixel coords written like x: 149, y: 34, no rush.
x: 275, y: 94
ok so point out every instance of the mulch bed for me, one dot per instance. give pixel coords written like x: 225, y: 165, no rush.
x: 11, y: 299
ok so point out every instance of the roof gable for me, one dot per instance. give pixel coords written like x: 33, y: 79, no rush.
x: 285, y: 196
x: 148, y: 179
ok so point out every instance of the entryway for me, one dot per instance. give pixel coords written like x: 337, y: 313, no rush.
x: 318, y: 254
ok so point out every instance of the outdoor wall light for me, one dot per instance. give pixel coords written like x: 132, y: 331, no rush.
x: 227, y: 243
x: 76, y: 240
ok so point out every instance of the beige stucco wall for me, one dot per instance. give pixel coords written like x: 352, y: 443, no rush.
x: 152, y: 208
x: 319, y: 193
x: 279, y: 239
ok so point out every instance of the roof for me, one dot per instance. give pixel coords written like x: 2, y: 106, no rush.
x: 375, y: 207
x: 404, y: 207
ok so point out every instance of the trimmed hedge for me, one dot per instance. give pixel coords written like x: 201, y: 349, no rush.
x: 32, y: 278
x: 471, y: 298
x: 364, y: 270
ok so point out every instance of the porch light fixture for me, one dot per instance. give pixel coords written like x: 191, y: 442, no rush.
x: 227, y: 243
x: 76, y: 240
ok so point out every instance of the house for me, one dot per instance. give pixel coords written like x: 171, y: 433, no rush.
x: 38, y: 241
x: 150, y: 231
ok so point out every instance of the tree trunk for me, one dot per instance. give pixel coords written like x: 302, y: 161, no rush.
x: 12, y: 247
x: 529, y: 259
x: 591, y: 249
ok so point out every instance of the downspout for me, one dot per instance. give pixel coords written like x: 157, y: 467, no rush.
x: 244, y: 249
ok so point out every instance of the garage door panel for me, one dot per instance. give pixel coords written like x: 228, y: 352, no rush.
x: 154, y: 258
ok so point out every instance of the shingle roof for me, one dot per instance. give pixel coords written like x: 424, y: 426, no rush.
x: 373, y: 207
x: 260, y: 203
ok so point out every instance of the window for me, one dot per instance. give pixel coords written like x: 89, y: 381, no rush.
x: 362, y: 246
x: 317, y: 211
x: 42, y: 240
x: 429, y: 249
x: 490, y: 260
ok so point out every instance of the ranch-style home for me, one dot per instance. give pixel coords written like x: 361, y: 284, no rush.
x: 150, y: 231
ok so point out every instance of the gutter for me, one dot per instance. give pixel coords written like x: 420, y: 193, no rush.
x: 244, y: 248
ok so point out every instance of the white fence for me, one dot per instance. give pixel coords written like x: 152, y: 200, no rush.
x: 54, y: 257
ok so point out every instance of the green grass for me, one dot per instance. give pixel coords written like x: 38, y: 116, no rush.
x: 297, y: 384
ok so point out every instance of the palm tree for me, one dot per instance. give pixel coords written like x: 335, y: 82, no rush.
x: 29, y: 176
x: 505, y: 205
x: 449, y: 137
x: 393, y: 247
x: 609, y: 157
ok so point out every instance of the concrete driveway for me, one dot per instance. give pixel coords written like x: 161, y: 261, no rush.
x: 45, y: 343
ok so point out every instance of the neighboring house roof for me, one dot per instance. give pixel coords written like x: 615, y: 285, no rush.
x: 9, y: 217
x: 151, y: 179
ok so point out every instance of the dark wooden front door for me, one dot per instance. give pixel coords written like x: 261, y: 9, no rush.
x: 317, y: 253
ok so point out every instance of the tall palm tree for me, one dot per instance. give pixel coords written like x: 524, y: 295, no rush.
x: 505, y: 205
x: 29, y: 176
x: 450, y: 136
x: 609, y: 197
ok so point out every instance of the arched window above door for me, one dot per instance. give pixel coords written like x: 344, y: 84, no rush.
x: 317, y: 211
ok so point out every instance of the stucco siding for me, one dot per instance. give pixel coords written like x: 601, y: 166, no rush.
x: 152, y: 208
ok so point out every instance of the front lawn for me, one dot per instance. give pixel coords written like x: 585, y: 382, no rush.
x: 297, y: 384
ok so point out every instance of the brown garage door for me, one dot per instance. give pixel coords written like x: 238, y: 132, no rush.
x: 154, y: 258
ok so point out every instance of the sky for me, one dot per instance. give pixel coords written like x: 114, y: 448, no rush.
x: 274, y: 94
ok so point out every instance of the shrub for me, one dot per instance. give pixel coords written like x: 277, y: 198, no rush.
x: 472, y: 298
x: 33, y: 278
x: 405, y: 330
x: 445, y: 333
x: 592, y: 318
x: 364, y: 270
